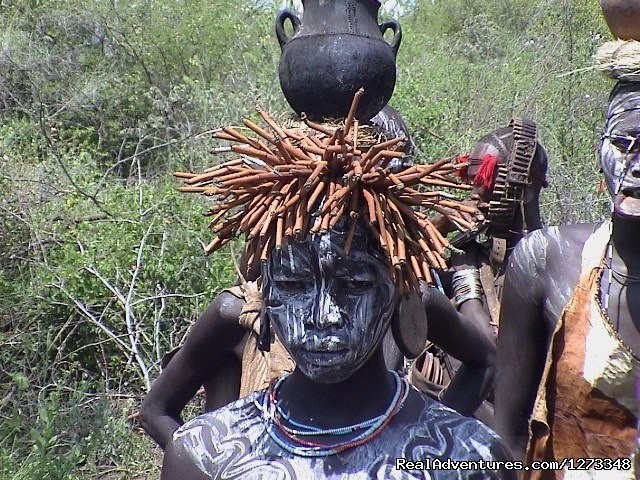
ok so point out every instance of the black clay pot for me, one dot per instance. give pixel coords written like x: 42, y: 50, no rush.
x: 337, y: 48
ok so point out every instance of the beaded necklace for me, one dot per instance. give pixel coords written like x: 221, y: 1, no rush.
x: 289, y: 438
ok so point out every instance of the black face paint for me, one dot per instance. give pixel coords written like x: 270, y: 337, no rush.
x: 329, y: 311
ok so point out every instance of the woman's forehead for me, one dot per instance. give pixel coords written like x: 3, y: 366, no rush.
x: 326, y: 249
x: 627, y: 121
x: 624, y: 108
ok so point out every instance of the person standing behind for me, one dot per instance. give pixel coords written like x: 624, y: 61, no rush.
x: 569, y: 335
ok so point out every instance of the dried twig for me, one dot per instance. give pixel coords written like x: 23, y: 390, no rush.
x: 271, y: 193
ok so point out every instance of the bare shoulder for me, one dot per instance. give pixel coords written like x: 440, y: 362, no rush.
x: 177, y: 465
x: 212, y: 441
x: 438, y: 431
x: 217, y: 328
x: 225, y: 308
x: 548, y: 247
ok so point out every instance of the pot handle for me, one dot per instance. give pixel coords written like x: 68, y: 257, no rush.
x: 283, y: 39
x: 397, y: 34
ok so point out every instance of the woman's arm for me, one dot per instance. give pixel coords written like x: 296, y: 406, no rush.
x: 206, y: 349
x: 522, y: 345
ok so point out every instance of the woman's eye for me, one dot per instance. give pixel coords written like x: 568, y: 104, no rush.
x: 625, y: 143
x: 292, y: 284
x: 354, y: 284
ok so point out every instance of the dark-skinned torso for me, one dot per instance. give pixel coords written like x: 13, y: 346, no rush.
x: 541, y: 279
x: 423, y: 429
x: 331, y: 311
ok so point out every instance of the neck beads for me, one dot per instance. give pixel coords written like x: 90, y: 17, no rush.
x: 293, y: 436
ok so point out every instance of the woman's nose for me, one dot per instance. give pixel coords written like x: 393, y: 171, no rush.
x: 327, y: 313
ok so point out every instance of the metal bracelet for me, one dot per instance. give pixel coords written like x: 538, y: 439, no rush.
x: 466, y: 286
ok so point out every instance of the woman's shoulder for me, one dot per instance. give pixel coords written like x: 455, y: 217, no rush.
x: 437, y: 431
x: 243, y: 414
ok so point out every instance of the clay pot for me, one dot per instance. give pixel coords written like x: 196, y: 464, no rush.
x: 623, y: 18
x: 335, y: 49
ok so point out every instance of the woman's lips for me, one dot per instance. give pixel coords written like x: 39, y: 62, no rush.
x: 324, y: 358
x: 329, y: 343
x: 627, y: 203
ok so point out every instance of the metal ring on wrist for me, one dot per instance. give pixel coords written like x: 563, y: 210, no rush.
x: 466, y: 286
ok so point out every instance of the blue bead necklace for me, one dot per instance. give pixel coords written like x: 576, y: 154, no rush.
x: 274, y: 416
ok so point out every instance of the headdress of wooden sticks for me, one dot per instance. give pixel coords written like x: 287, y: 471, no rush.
x: 289, y: 182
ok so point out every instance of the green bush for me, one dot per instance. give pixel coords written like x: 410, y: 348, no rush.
x: 101, y: 264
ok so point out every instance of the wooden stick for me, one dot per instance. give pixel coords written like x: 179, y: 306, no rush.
x: 440, y: 183
x: 279, y: 230
x: 459, y: 206
x: 414, y: 174
x: 217, y: 150
x: 436, y: 232
x: 315, y: 195
x: 381, y: 227
x: 242, y: 138
x: 316, y: 172
x: 295, y: 151
x: 341, y: 142
x: 231, y: 163
x: 259, y: 130
x: 352, y: 110
x: 254, y: 152
x: 336, y: 215
x: 215, y: 244
x: 400, y: 246
x: 416, y: 267
x: 184, y: 174
x: 290, y: 133
x: 309, y: 146
x: 272, y: 123
x: 357, y: 169
x: 316, y: 126
x: 393, y: 154
x: 427, y: 272
x: 268, y: 246
x: 289, y: 223
x: 350, y: 233
x: 205, y: 177
x: 371, y: 209
x: 325, y: 216
x: 225, y: 136
x: 234, y: 203
x: 252, y: 215
x: 257, y: 179
x: 205, y: 190
x: 354, y: 204
x: 246, y: 172
x: 299, y: 218
x: 369, y: 163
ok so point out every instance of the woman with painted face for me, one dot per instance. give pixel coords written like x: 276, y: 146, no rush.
x: 569, y: 335
x: 343, y: 250
x: 220, y: 351
x: 341, y: 413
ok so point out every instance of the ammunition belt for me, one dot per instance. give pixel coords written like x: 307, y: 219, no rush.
x: 512, y: 179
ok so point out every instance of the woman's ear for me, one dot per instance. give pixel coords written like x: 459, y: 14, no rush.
x: 409, y: 325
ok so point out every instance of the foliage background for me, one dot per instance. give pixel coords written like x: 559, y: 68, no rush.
x: 101, y: 270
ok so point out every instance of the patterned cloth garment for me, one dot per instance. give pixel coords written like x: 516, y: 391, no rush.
x: 233, y: 443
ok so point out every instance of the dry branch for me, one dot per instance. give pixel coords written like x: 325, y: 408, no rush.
x: 313, y: 175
